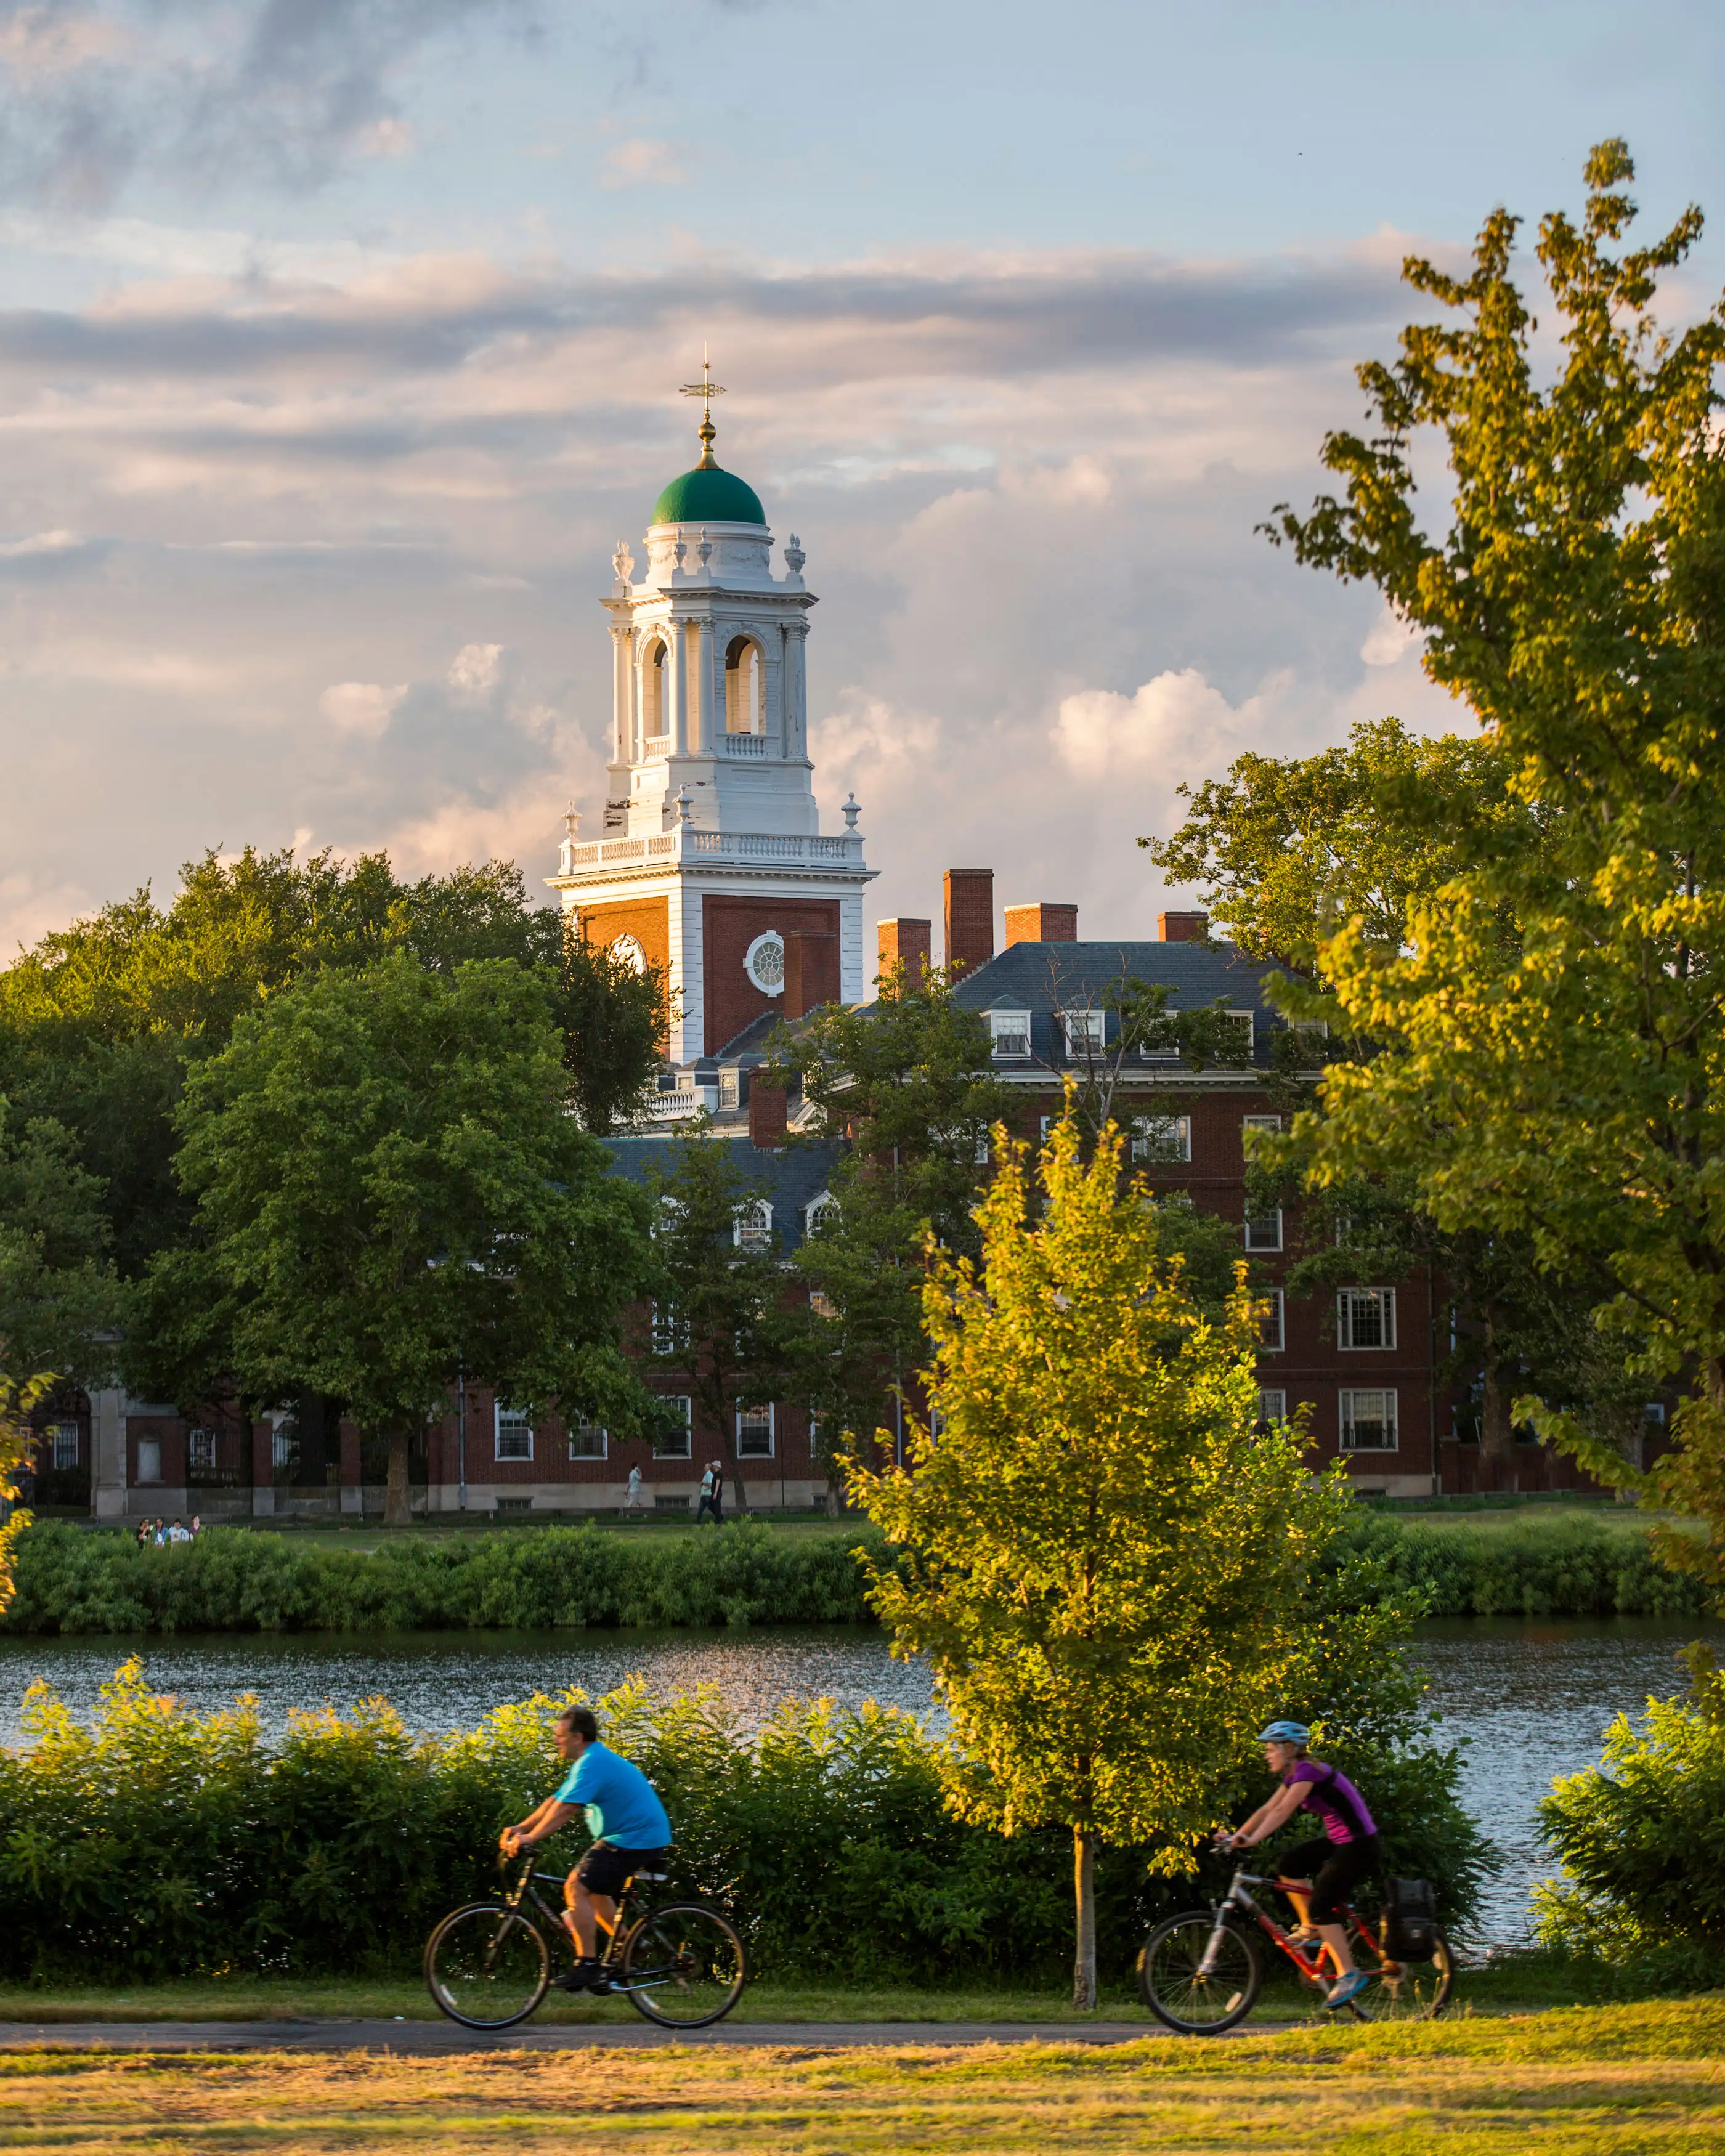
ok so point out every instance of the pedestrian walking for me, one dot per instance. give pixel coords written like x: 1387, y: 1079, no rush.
x: 713, y: 1495
x: 636, y: 1500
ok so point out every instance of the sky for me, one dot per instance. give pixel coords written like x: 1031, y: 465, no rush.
x: 339, y: 342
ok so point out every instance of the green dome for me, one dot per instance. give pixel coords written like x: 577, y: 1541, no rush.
x: 708, y: 496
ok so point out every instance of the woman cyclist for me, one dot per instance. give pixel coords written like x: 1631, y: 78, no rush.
x: 1347, y: 1850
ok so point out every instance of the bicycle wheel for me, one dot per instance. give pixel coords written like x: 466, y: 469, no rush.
x: 683, y: 1967
x: 1403, y: 1991
x: 1173, y: 1981
x: 486, y: 1967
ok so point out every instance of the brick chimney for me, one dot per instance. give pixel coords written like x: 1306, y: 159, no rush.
x: 1041, y: 923
x: 1184, y: 928
x: 811, y: 970
x: 768, y: 1115
x: 906, y: 943
x: 970, y: 918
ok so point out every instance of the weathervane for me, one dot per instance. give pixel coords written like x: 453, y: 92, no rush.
x: 705, y: 389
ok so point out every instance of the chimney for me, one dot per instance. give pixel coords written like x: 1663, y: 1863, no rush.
x: 811, y: 970
x: 970, y: 919
x: 1041, y: 923
x: 906, y: 943
x: 768, y: 1115
x: 1184, y: 928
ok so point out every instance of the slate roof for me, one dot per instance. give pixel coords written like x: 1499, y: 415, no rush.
x: 787, y: 1178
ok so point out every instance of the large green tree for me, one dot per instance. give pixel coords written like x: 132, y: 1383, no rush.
x: 60, y: 1302
x: 1103, y: 1557
x: 390, y: 1190
x: 1565, y: 1084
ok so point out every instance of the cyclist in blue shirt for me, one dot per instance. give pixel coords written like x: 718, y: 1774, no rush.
x: 630, y: 1832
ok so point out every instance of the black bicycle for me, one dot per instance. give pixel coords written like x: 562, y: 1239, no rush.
x: 489, y: 1964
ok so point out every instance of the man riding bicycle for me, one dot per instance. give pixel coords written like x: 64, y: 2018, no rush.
x: 631, y: 1833
x: 1347, y: 1851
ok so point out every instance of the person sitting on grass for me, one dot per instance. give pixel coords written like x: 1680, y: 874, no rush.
x: 631, y: 1833
x: 1347, y: 1850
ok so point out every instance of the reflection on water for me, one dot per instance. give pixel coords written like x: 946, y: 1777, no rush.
x: 1531, y: 1698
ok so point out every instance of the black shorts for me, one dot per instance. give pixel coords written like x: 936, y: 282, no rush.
x: 604, y: 1870
x: 1335, y: 1869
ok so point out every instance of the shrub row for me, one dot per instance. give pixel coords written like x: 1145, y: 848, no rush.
x: 156, y: 1843
x: 70, y: 1580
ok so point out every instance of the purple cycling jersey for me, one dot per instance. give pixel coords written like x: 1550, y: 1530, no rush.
x: 1333, y: 1797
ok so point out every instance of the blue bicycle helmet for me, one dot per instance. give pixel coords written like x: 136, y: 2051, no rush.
x: 1285, y: 1732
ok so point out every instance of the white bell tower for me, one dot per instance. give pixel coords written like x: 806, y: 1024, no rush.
x: 710, y: 851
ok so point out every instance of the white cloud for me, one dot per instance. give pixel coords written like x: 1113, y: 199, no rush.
x: 1391, y: 641
x: 641, y: 161
x: 361, y: 707
x: 475, y: 670
x: 1169, y: 723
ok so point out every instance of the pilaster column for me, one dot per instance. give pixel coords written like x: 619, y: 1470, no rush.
x: 796, y: 688
x: 679, y: 692
x: 622, y: 690
x: 701, y: 687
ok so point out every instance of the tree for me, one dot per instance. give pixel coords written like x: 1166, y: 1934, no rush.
x: 390, y: 1190
x: 1567, y: 1086
x: 1103, y: 1557
x: 60, y: 1303
x: 719, y: 1320
x: 16, y: 1441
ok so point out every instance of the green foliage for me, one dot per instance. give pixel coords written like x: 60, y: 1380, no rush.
x: 16, y: 1402
x: 60, y: 1302
x: 158, y: 1843
x: 1566, y: 1568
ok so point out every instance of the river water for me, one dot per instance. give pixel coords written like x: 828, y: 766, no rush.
x: 1528, y: 1700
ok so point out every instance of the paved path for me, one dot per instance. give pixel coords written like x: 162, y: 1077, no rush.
x: 437, y: 2038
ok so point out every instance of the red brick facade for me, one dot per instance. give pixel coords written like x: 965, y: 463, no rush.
x: 728, y: 927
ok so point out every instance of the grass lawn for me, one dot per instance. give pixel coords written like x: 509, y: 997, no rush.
x: 1625, y: 2080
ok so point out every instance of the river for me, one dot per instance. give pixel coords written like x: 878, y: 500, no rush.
x: 1529, y: 1699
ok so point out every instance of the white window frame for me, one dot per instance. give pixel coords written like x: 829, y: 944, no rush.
x: 751, y: 1228
x: 1249, y: 1021
x: 1010, y: 1026
x: 1251, y: 1232
x: 201, y: 1451
x: 1085, y: 1032
x: 1272, y: 1405
x: 771, y: 1452
x: 815, y: 1211
x: 686, y: 1450
x: 670, y: 1333
x: 588, y: 1431
x: 150, y: 1461
x: 1144, y: 1138
x: 1386, y: 1418
x: 502, y: 1413
x: 1347, y: 1300
x: 1275, y: 1321
x: 1047, y: 1123
x: 1270, y: 1124
x: 729, y: 1088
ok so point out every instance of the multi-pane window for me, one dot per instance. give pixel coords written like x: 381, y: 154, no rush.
x: 515, y: 1433
x: 1239, y: 1023
x: 201, y: 1451
x: 1045, y: 1124
x: 670, y: 1329
x: 1270, y: 1338
x: 1272, y: 1405
x: 1263, y: 1230
x: 1369, y: 1422
x: 62, y: 1446
x: 754, y: 1433
x: 727, y: 1089
x: 285, y: 1447
x: 673, y: 1434
x: 822, y: 1215
x: 1365, y: 1318
x: 753, y: 1228
x: 1268, y: 1124
x: 1162, y: 1138
x: 1085, y: 1032
x: 1011, y: 1030
x: 587, y: 1441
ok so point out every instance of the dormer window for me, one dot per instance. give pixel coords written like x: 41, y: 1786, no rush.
x: 1085, y: 1032
x: 753, y: 1227
x: 1011, y: 1030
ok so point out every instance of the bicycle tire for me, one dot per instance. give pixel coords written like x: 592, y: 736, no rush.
x: 1404, y: 1991
x: 1171, y: 1986
x: 688, y: 1963
x: 487, y: 1966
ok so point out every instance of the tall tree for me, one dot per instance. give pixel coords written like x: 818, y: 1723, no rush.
x: 16, y: 1441
x: 60, y: 1302
x: 1103, y: 1557
x: 390, y: 1190
x: 1566, y: 1086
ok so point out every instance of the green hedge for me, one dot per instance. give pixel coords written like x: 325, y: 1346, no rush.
x: 72, y: 1580
x: 158, y: 1843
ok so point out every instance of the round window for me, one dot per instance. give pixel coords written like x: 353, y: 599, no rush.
x: 630, y: 951
x: 763, y: 961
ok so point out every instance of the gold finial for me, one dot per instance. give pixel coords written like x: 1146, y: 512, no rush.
x: 705, y: 389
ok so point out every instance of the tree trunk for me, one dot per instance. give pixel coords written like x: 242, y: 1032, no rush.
x: 397, y: 1507
x: 1497, y: 1437
x: 1084, y: 1886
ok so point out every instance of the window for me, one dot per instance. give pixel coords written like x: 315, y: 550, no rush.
x: 1365, y: 1318
x: 201, y: 1452
x: 587, y: 1441
x: 821, y: 1215
x: 149, y: 1460
x: 1272, y: 1406
x: 753, y: 1230
x: 1270, y: 1337
x: 61, y: 1444
x: 670, y: 1330
x: 822, y: 1306
x: 1238, y: 1023
x: 1263, y: 1232
x: 1085, y: 1031
x: 1011, y: 1030
x: 285, y: 1447
x: 1251, y: 1125
x: 754, y: 1433
x: 1162, y: 1138
x: 727, y: 1089
x: 1045, y: 1124
x: 1653, y: 1414
x: 656, y: 705
x: 743, y: 678
x: 1369, y: 1422
x: 515, y: 1434
x: 673, y: 1437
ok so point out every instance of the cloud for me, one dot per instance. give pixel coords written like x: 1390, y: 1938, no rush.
x: 476, y: 671
x: 1391, y: 641
x: 361, y: 707
x: 1172, y: 722
x: 641, y: 161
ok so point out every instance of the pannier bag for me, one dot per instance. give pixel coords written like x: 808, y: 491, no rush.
x: 1408, y: 1931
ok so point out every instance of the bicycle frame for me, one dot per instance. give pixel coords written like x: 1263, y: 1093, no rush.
x: 1237, y: 1898
x: 526, y: 1889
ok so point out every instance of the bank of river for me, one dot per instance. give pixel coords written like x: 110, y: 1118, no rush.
x: 1529, y: 1698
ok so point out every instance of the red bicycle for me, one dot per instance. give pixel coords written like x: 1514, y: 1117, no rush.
x: 1201, y: 1973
